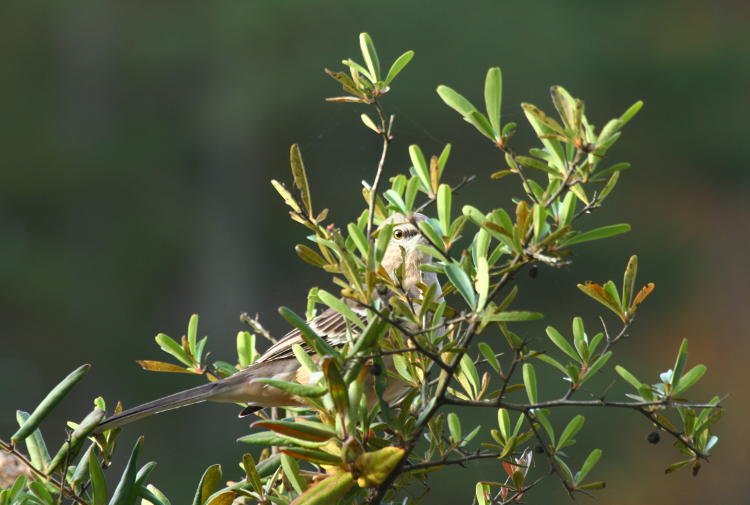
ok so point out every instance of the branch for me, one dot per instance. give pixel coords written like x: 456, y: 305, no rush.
x: 385, y: 132
x: 530, y: 419
x: 445, y: 461
x: 254, y: 323
x: 60, y: 484
x: 397, y: 324
x: 454, y: 190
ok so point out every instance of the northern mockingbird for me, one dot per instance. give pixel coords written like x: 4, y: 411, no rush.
x: 279, y: 362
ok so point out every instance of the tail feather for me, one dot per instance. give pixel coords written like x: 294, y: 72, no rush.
x: 188, y: 397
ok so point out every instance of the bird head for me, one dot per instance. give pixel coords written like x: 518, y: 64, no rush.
x: 402, y: 249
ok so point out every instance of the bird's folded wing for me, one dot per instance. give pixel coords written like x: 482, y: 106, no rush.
x: 330, y: 325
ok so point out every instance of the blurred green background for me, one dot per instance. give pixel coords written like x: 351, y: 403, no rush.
x: 138, y: 140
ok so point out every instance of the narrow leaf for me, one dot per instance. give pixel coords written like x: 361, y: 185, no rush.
x: 529, y: 381
x: 49, y: 402
x: 398, y: 66
x: 493, y: 89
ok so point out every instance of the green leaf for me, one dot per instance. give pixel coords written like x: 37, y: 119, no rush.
x: 596, y: 234
x: 443, y: 159
x: 270, y: 438
x: 125, y: 493
x: 98, y: 482
x: 679, y: 364
x: 503, y: 421
x: 489, y: 355
x: 480, y: 122
x: 628, y: 282
x: 39, y: 490
x: 38, y: 452
x: 573, y: 427
x: 611, y: 290
x: 246, y: 353
x: 251, y: 471
x: 562, y: 344
x: 454, y: 426
x: 336, y: 385
x: 313, y: 455
x: 431, y: 228
x: 607, y: 189
x: 192, y: 335
x: 529, y: 381
x: 552, y: 361
x: 539, y: 216
x: 632, y: 111
x: 591, y: 460
x: 482, y: 281
x: 359, y: 239
x: 340, y: 307
x: 398, y: 66
x: 412, y: 188
x: 542, y: 418
x: 462, y: 283
x: 482, y: 491
x: 375, y: 329
x: 596, y: 366
x: 568, y: 209
x: 70, y: 448
x: 294, y: 388
x: 420, y: 167
x: 514, y: 315
x: 209, y: 483
x: 676, y: 466
x: 579, y: 338
x: 691, y: 377
x: 493, y: 95
x: 629, y: 377
x: 395, y: 200
x: 444, y: 207
x: 303, y: 430
x: 311, y: 338
x: 370, y: 55
x: 309, y: 256
x: 328, y: 491
x: 169, y: 346
x: 49, y: 402
x: 469, y: 371
x: 455, y: 101
x: 291, y: 471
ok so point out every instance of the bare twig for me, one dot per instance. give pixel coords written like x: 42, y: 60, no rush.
x: 385, y: 132
x: 446, y: 461
x: 454, y: 190
x: 254, y: 323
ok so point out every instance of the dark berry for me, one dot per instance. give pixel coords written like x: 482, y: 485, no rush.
x: 653, y: 437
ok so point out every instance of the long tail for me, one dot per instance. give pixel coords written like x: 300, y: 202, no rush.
x: 173, y: 401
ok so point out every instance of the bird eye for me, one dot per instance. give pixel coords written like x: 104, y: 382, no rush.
x: 398, y: 234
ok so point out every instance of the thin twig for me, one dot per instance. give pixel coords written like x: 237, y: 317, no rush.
x: 454, y: 190
x: 445, y: 461
x: 10, y: 449
x: 385, y: 132
x: 553, y: 466
x: 254, y: 323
